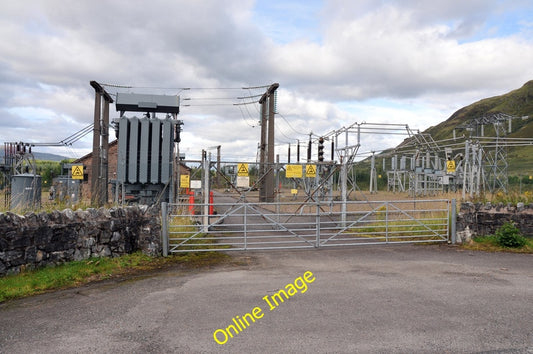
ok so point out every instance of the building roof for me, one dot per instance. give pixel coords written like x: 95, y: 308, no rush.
x: 89, y: 155
x: 113, y: 143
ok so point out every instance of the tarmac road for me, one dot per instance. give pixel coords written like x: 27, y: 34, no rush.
x: 370, y: 299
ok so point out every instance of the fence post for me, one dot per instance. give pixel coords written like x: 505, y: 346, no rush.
x: 244, y: 223
x: 164, y: 228
x: 453, y: 230
x: 387, y: 222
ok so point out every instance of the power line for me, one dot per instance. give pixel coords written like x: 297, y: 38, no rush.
x: 209, y: 104
x: 282, y: 133
x: 206, y: 98
x: 249, y: 113
x: 244, y: 118
x: 251, y: 96
x: 290, y: 126
x: 182, y: 88
x: 244, y: 103
x: 256, y: 87
x: 256, y: 107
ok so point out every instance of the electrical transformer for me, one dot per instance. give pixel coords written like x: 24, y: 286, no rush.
x: 145, y: 170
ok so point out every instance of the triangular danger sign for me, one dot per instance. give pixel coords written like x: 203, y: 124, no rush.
x: 77, y: 172
x: 450, y: 166
x: 242, y: 170
x: 310, y: 171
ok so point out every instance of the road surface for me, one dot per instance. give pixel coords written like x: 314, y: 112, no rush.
x: 368, y: 299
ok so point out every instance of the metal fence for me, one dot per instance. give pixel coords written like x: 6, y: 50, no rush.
x: 241, y: 225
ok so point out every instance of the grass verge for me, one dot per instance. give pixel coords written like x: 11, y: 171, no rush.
x: 490, y: 244
x: 72, y: 274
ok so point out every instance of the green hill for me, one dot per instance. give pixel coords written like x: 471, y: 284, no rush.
x: 517, y: 103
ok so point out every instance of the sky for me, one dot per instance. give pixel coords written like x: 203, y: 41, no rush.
x: 338, y: 63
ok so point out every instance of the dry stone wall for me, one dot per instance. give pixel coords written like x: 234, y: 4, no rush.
x: 478, y: 219
x: 35, y: 240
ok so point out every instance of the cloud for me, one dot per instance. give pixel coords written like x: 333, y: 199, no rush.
x: 392, y: 52
x: 337, y: 62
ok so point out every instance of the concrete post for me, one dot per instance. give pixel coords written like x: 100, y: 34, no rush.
x: 164, y: 228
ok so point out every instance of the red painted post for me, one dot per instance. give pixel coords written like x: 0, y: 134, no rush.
x: 211, y: 206
x: 191, y: 203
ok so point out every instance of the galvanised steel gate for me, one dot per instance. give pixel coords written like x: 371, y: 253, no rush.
x: 230, y: 225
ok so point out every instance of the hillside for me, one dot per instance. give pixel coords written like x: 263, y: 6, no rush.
x: 40, y: 156
x: 517, y: 103
x: 49, y: 157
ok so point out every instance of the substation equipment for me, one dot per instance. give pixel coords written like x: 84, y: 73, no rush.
x: 345, y: 147
x: 472, y: 162
x: 146, y: 171
x: 21, y: 183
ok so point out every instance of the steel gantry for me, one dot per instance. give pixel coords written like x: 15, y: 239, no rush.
x: 487, y: 168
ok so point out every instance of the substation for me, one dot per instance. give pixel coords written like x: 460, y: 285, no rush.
x: 312, y: 199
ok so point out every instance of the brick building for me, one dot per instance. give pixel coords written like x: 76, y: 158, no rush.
x: 87, y: 169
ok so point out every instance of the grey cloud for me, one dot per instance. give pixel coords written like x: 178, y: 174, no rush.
x: 396, y: 49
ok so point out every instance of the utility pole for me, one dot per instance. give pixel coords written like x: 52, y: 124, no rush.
x: 266, y: 170
x: 262, y: 147
x: 99, y: 166
x: 95, y: 166
x: 269, y: 178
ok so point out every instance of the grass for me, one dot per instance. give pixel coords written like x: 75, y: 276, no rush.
x: 401, y: 228
x: 72, y: 274
x: 186, y: 233
x: 490, y: 244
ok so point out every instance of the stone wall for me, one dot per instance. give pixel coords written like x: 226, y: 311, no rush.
x: 484, y: 219
x: 35, y: 240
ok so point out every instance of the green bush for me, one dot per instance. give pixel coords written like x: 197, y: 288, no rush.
x: 509, y: 236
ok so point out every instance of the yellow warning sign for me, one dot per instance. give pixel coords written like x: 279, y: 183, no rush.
x: 77, y: 172
x: 310, y: 171
x: 450, y: 166
x: 242, y: 170
x: 184, y: 181
x: 293, y: 171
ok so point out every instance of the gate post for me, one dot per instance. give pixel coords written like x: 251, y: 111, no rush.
x: 453, y: 230
x: 164, y: 228
x: 317, y: 242
x: 344, y: 192
x: 206, y: 162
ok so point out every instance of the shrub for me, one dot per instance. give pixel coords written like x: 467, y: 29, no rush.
x: 509, y: 236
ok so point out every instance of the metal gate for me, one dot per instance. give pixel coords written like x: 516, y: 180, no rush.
x: 237, y: 225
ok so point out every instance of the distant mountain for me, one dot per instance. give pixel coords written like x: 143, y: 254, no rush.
x: 48, y: 157
x: 40, y: 156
